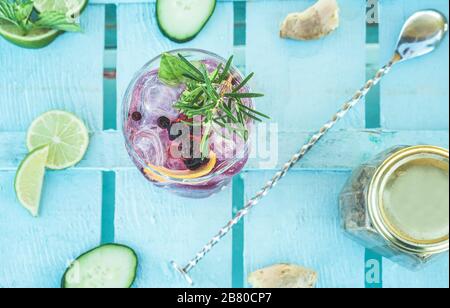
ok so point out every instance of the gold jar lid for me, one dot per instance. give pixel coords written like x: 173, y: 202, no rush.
x: 384, y: 223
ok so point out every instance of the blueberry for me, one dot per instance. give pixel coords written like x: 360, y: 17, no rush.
x: 164, y: 123
x: 195, y: 163
x: 136, y: 116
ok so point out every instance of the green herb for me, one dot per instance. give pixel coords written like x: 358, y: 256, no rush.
x: 57, y: 21
x: 210, y: 96
x: 173, y: 71
x: 21, y: 13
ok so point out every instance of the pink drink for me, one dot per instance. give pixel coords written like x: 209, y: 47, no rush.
x: 162, y: 146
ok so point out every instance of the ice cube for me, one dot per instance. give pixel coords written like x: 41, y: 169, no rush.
x: 149, y: 147
x: 157, y: 101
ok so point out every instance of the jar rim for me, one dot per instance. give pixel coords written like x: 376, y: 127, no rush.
x: 125, y: 110
x: 376, y: 206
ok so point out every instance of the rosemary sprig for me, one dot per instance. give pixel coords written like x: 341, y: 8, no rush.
x: 211, y: 96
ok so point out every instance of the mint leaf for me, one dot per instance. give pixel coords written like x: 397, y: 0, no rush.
x: 17, y: 12
x: 8, y: 12
x: 23, y: 10
x: 20, y: 13
x: 58, y: 21
x: 173, y: 70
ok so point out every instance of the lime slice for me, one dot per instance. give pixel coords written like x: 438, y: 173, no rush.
x: 37, y: 38
x: 65, y: 134
x: 30, y: 178
x: 71, y: 7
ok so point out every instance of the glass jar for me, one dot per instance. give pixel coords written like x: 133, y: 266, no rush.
x: 398, y: 205
x: 157, y: 135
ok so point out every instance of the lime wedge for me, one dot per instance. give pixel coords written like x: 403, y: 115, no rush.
x: 30, y: 178
x: 37, y: 38
x: 65, y: 134
x: 71, y: 7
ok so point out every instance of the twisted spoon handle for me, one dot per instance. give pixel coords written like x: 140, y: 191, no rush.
x: 359, y: 95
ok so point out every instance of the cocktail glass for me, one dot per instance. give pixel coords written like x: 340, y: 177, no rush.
x: 163, y: 143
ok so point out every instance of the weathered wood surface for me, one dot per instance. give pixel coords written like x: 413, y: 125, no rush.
x: 415, y: 96
x: 298, y: 222
x: 341, y: 150
x: 36, y: 252
x: 305, y: 82
x: 67, y: 75
x: 160, y: 226
x: 163, y: 227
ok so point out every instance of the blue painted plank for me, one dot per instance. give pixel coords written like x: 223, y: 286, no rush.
x: 415, y: 95
x: 305, y: 82
x: 299, y: 223
x: 36, y: 251
x: 140, y: 40
x: 163, y: 227
x: 349, y: 149
x: 340, y: 149
x: 67, y: 75
x: 144, y: 213
x: 435, y: 275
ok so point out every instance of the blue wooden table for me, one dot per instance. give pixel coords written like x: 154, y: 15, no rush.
x: 105, y: 198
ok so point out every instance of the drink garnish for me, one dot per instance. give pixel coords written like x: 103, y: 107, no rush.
x: 195, y: 163
x: 164, y: 123
x: 217, y: 98
x: 64, y: 133
x: 69, y: 7
x: 136, y: 116
x: 56, y: 140
x: 182, y: 174
x: 110, y: 266
x: 25, y: 24
x: 182, y: 21
x: 19, y: 13
x: 29, y: 179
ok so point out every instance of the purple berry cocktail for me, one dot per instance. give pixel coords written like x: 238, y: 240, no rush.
x: 188, y: 115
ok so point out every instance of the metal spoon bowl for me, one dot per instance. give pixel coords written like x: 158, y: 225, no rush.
x: 422, y: 33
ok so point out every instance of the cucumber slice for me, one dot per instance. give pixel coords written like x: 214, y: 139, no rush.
x: 181, y: 21
x: 107, y: 266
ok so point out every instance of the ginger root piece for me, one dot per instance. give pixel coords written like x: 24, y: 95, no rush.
x: 283, y: 276
x: 316, y: 22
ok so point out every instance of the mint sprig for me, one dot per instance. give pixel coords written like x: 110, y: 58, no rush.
x: 21, y: 13
x: 217, y: 98
x: 57, y: 21
x: 17, y: 13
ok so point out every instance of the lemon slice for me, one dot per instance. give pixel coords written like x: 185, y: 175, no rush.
x: 30, y: 178
x: 65, y: 134
x: 181, y: 174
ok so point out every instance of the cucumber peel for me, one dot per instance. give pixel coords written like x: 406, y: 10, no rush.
x: 182, y: 21
x: 107, y: 266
